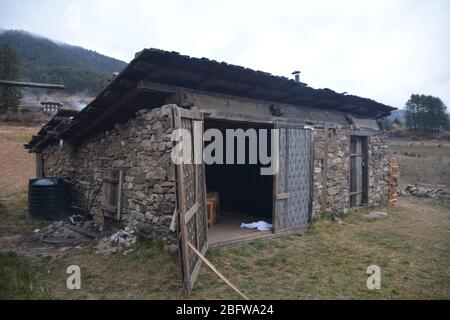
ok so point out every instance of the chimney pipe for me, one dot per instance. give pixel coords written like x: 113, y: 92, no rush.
x: 296, y: 75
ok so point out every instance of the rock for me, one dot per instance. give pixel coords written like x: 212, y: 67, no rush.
x: 157, y: 188
x: 157, y: 174
x: 138, y: 216
x: 333, y: 191
x: 168, y: 184
x: 139, y: 179
x: 339, y: 221
x: 170, y: 197
x: 430, y: 192
x: 140, y: 195
x: 121, y: 239
x: 376, y: 214
x: 147, y: 144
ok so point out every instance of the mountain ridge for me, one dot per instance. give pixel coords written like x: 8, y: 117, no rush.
x: 46, y: 60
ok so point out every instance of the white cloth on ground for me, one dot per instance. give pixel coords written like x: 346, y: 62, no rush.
x: 260, y: 225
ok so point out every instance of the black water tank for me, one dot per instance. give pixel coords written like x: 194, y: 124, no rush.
x: 48, y: 198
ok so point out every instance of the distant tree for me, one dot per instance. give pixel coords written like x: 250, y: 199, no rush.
x: 425, y: 114
x: 398, y: 122
x: 9, y: 70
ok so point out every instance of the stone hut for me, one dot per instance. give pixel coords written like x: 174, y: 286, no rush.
x: 328, y: 151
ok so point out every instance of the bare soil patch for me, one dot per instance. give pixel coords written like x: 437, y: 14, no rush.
x: 329, y: 261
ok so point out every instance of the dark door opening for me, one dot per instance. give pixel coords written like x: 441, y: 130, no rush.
x: 358, y: 171
x: 245, y: 196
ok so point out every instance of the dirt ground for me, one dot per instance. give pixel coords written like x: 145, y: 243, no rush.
x: 17, y: 166
x: 328, y: 261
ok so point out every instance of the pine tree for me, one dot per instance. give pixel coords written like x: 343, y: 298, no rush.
x: 425, y: 114
x: 9, y: 70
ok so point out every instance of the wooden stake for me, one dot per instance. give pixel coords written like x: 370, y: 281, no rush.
x: 209, y: 264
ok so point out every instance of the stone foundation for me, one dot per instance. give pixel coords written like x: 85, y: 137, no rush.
x: 142, y: 149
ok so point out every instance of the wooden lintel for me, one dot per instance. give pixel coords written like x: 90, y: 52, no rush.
x: 148, y: 86
x: 363, y: 133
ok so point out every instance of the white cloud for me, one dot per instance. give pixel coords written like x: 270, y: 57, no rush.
x: 383, y: 50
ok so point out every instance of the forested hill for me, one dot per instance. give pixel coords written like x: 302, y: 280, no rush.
x: 43, y: 60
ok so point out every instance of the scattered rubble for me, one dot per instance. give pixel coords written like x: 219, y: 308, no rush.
x: 73, y: 233
x: 59, y: 233
x: 121, y: 239
x: 424, y: 191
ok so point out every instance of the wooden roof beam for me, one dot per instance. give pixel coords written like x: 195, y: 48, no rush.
x: 108, y: 111
x: 32, y: 85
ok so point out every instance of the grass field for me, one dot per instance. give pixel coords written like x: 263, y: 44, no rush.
x: 423, y: 162
x: 329, y: 261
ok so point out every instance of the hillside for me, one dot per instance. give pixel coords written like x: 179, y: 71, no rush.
x: 44, y: 60
x: 398, y: 114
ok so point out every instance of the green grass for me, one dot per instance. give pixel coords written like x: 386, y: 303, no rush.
x: 14, y: 217
x: 329, y: 261
x: 16, y: 281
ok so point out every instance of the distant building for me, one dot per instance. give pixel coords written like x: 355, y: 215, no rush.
x: 52, y: 107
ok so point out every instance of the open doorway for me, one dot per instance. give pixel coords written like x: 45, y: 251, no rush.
x: 242, y: 193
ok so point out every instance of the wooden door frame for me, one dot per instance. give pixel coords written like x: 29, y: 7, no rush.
x: 364, y: 168
x: 287, y: 126
x: 270, y: 124
x: 186, y: 214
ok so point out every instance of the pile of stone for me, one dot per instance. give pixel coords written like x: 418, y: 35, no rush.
x: 393, y: 172
x: 88, y: 225
x: 122, y: 239
x: 428, y: 192
x: 62, y: 233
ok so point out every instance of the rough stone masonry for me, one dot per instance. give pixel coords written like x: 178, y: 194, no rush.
x: 142, y: 149
x: 336, y: 149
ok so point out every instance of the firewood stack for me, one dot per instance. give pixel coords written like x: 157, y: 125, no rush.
x: 393, y: 178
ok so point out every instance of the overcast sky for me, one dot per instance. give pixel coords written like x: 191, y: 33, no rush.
x: 384, y: 50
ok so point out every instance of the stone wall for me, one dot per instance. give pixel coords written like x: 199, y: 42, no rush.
x: 378, y: 170
x: 338, y: 164
x: 142, y: 149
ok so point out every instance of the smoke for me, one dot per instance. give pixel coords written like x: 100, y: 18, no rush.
x: 78, y: 105
x: 79, y: 100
